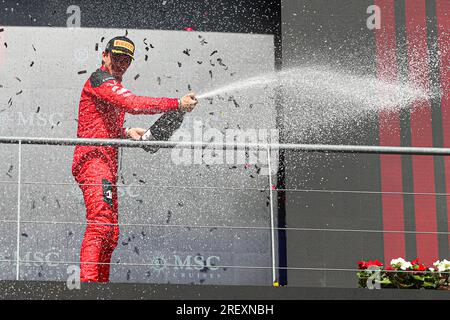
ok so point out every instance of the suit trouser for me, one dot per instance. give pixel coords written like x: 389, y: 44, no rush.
x: 102, y: 231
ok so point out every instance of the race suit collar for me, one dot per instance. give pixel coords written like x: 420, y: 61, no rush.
x: 103, y: 68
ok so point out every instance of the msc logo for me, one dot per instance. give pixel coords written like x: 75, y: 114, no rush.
x: 189, y: 262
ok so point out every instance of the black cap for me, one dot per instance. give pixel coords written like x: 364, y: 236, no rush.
x: 121, y: 45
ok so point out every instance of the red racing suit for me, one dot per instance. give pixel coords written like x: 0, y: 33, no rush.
x: 104, y: 102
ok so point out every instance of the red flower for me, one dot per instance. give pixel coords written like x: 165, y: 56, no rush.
x: 374, y: 263
x: 362, y: 265
x: 366, y: 264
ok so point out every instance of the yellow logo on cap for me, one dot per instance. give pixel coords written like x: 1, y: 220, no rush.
x: 124, y: 44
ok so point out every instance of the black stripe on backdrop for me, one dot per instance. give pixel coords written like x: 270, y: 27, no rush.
x: 245, y: 16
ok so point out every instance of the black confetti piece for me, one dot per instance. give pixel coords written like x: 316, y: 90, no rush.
x: 151, y: 46
x: 6, y: 45
x: 232, y: 74
x: 189, y: 87
x: 187, y: 52
x: 203, y: 42
x: 169, y: 215
x: 136, y: 250
x: 33, y: 205
x: 140, y: 201
x: 82, y: 72
x: 146, y: 57
x: 211, y: 113
x: 232, y: 167
x: 199, y: 62
x: 211, y: 63
x: 142, y: 181
x: 96, y: 47
x: 24, y: 235
x: 20, y: 92
x: 103, y: 38
x: 146, y: 48
x: 128, y: 275
x: 33, y: 47
x: 70, y: 233
x: 137, y: 76
x: 126, y: 33
x: 124, y: 243
x: 1, y: 30
x: 179, y: 64
x: 159, y: 80
x: 18, y: 79
x: 58, y: 204
x: 213, y: 53
x: 11, y: 167
x: 210, y: 73
x: 180, y: 204
x: 145, y: 42
x: 32, y: 63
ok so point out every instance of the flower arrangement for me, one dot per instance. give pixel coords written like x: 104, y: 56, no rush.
x: 404, y: 274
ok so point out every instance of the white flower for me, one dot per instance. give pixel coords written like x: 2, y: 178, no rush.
x: 441, y: 268
x: 397, y: 261
x: 436, y: 263
x: 406, y: 265
x: 431, y: 269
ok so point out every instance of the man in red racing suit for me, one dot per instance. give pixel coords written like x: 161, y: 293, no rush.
x: 104, y: 102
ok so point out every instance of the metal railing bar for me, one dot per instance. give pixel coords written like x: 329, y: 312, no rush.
x: 216, y: 266
x: 324, y: 148
x: 233, y: 188
x: 229, y: 227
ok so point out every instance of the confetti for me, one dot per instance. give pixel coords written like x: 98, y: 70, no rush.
x: 187, y: 52
x: 24, y: 235
x: 146, y: 57
x: 32, y: 63
x: 20, y: 92
x: 151, y: 46
x: 18, y: 79
x: 126, y: 33
x: 179, y: 64
x: 213, y: 53
x: 136, y: 250
x: 159, y: 80
x: 103, y: 38
x: 169, y: 215
x: 137, y: 76
x: 6, y: 45
x: 199, y: 62
x: 82, y: 72
x: 1, y: 30
x: 58, y: 204
x: 33, y: 47
x: 210, y: 73
x: 9, y: 171
x: 96, y: 47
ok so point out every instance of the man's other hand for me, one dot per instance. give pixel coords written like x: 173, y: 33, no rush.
x: 135, y: 133
x: 188, y: 102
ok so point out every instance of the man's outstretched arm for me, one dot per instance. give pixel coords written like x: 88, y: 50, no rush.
x: 113, y: 93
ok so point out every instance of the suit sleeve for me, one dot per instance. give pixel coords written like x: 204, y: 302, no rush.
x: 118, y: 96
